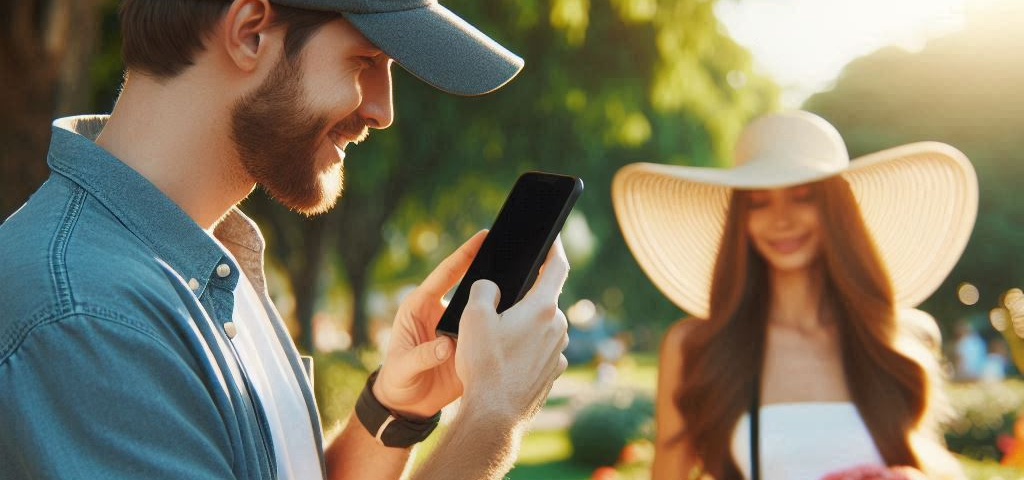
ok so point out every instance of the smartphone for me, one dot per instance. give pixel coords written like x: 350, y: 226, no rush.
x: 518, y: 242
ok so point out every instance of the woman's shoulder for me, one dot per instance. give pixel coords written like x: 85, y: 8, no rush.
x: 675, y: 338
x: 920, y: 326
x: 679, y: 331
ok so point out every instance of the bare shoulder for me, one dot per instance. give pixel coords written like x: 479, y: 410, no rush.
x: 919, y: 325
x: 675, y: 337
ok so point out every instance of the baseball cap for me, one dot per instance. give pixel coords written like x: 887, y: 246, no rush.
x: 429, y: 41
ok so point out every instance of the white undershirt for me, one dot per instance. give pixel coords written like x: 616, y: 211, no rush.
x: 274, y: 381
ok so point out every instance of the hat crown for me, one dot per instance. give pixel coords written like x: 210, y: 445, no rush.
x: 789, y: 140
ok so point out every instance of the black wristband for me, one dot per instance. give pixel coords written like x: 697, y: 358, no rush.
x: 390, y: 429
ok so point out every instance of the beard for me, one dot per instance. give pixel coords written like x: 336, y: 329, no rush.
x: 277, y: 136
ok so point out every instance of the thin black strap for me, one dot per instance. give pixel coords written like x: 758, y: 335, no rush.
x: 755, y: 427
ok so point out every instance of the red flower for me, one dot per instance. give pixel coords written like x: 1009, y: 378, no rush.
x: 876, y: 472
x: 605, y: 473
x: 630, y: 453
x: 1006, y: 443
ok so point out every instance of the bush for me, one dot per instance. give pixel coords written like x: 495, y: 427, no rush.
x: 982, y: 412
x: 602, y: 429
x: 337, y: 380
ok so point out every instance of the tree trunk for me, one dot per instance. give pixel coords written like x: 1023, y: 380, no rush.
x: 362, y: 218
x: 357, y: 253
x: 360, y: 323
x: 45, y: 50
x: 306, y: 279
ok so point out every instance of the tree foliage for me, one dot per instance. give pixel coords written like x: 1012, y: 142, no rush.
x: 606, y: 83
x: 959, y: 89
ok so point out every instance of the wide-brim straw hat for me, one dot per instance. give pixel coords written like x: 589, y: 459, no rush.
x: 919, y: 202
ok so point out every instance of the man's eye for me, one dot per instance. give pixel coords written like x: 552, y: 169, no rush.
x: 367, y: 62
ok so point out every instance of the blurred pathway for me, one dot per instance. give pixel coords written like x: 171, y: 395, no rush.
x: 567, y: 395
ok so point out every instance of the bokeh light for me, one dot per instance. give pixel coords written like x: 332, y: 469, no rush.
x: 1000, y: 318
x: 582, y: 314
x: 968, y: 293
x: 1013, y: 300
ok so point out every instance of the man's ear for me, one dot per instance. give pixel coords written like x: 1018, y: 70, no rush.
x: 244, y: 24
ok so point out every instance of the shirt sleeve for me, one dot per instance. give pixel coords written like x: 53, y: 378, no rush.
x: 91, y: 398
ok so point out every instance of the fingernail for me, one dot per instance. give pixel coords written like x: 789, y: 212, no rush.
x: 442, y: 349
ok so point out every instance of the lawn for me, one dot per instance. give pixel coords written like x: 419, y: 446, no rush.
x: 545, y: 452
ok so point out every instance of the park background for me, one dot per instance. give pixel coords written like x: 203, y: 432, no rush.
x: 606, y: 83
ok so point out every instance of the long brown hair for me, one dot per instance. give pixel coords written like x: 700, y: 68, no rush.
x: 722, y: 356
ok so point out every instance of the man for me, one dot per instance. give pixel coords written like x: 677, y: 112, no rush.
x: 137, y: 339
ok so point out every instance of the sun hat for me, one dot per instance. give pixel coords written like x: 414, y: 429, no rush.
x: 919, y: 202
x: 429, y: 41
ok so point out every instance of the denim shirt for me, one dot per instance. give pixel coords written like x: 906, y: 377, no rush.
x: 114, y: 361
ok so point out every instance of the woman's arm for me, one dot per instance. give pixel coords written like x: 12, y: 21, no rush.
x: 672, y: 459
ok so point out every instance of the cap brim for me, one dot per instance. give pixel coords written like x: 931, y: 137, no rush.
x: 440, y: 48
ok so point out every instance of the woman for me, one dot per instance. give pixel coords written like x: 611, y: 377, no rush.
x: 796, y: 264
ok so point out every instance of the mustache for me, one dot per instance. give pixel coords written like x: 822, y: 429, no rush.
x: 352, y: 128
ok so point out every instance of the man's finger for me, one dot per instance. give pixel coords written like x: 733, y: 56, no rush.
x: 484, y: 293
x: 553, y: 275
x: 444, y: 277
x: 428, y: 355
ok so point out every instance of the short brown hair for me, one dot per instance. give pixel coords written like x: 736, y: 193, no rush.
x: 162, y: 37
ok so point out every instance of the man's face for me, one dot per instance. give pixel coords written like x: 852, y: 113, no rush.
x: 292, y: 130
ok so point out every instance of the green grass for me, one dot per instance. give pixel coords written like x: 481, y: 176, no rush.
x: 989, y: 470
x: 544, y: 447
x: 563, y: 470
x: 544, y: 455
x: 638, y: 371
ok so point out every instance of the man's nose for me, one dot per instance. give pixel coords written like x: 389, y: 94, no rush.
x: 377, y: 107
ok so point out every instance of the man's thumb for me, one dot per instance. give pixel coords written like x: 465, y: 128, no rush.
x: 432, y: 354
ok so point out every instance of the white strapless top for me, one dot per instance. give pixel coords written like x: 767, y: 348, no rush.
x: 806, y: 441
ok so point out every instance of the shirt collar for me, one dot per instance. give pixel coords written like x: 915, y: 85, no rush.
x: 149, y: 214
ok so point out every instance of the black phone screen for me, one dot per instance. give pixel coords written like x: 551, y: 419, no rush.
x: 518, y: 243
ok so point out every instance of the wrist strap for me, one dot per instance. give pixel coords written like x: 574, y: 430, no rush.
x: 387, y: 427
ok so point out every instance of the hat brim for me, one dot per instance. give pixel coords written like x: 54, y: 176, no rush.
x: 440, y: 48
x: 919, y: 202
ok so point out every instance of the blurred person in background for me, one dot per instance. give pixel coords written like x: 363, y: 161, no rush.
x: 970, y: 352
x: 996, y: 361
x: 798, y: 266
x: 137, y: 339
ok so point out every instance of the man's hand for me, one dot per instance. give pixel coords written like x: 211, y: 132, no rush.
x: 418, y: 376
x: 508, y: 362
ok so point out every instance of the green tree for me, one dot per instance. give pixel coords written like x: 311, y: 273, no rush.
x: 46, y: 50
x: 959, y: 89
x: 607, y: 82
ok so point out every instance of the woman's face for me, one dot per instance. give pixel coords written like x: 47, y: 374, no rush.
x: 784, y: 225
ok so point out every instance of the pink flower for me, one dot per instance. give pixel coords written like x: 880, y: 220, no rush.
x: 1006, y: 443
x: 876, y: 472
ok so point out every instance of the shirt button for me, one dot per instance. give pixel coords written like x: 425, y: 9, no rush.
x: 193, y: 284
x: 223, y: 270
x: 230, y: 329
